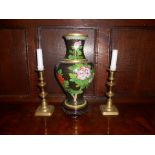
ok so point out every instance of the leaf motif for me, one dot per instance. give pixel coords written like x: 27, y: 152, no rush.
x: 72, y: 75
x: 72, y: 57
x: 74, y: 92
x: 79, y: 52
x: 80, y: 47
x: 79, y: 57
x: 70, y: 51
x: 73, y: 67
x: 60, y: 71
x: 66, y: 84
x: 81, y: 84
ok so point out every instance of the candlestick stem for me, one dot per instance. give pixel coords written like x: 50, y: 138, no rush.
x: 44, y: 109
x: 109, y: 108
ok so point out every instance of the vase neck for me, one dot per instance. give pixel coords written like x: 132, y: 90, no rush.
x: 74, y: 49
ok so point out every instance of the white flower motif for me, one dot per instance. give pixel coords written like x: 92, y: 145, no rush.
x: 77, y: 44
x: 83, y: 73
x: 75, y: 70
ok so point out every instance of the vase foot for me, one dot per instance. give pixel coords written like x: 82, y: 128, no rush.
x: 74, y: 112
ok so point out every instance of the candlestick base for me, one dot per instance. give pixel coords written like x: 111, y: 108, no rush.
x: 112, y: 111
x: 48, y: 111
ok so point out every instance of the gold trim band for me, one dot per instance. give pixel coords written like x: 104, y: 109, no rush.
x: 76, y: 107
x: 76, y: 36
x: 74, y: 61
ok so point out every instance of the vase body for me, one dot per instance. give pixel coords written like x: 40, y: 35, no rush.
x: 74, y: 74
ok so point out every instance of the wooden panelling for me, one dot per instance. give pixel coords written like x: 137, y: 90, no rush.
x: 133, y: 38
x: 13, y: 62
x: 135, y: 76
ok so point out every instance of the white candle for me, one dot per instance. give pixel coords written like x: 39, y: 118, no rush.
x: 114, y: 60
x: 40, y: 59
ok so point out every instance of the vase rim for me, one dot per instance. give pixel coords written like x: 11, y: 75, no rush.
x: 73, y: 36
x: 76, y: 34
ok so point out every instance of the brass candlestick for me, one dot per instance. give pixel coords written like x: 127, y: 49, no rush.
x: 109, y: 108
x: 44, y: 109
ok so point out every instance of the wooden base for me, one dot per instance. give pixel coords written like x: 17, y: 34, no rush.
x: 74, y: 112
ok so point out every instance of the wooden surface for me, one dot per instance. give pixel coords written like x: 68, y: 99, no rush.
x: 135, y: 69
x: 134, y: 89
x: 134, y: 119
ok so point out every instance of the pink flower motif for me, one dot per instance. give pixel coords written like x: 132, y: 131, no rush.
x: 77, y: 44
x: 83, y: 73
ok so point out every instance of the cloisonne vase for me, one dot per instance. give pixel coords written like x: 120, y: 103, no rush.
x: 74, y: 74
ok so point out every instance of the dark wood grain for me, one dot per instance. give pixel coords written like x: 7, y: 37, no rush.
x: 133, y: 38
x: 135, y: 77
x: 13, y: 62
x: 134, y: 119
x: 106, y: 23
